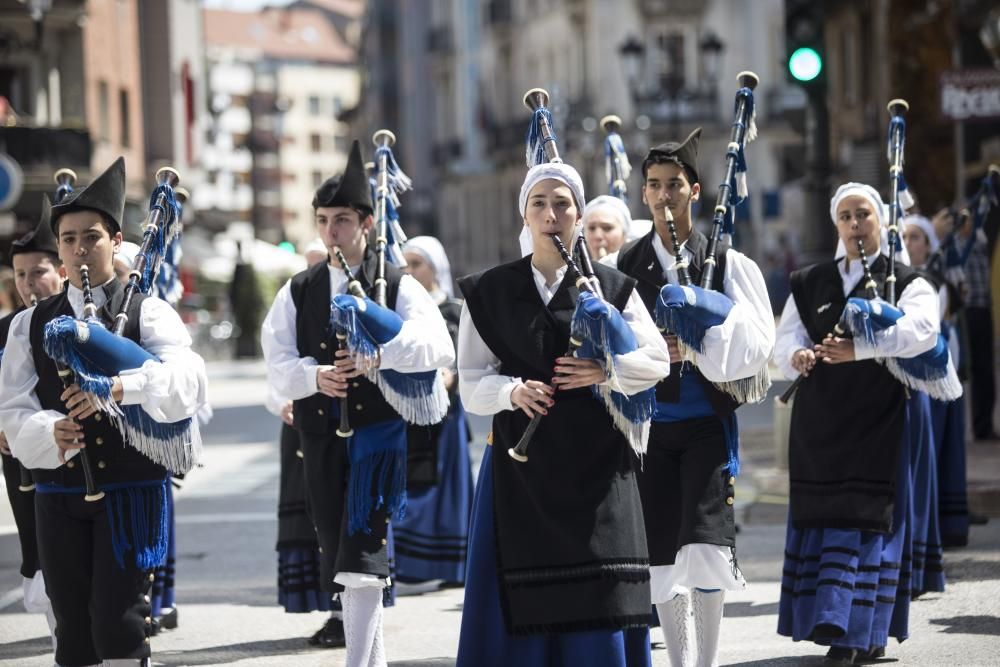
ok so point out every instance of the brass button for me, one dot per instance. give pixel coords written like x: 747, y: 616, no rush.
x: 149, y: 621
x: 322, y: 346
x: 321, y: 549
x: 102, y: 465
x: 71, y: 464
x: 152, y: 577
x: 387, y: 519
x: 146, y: 640
x: 99, y: 441
x: 355, y: 384
x: 98, y: 417
x: 729, y: 500
x: 320, y: 411
x: 732, y: 481
x: 359, y: 407
x: 298, y: 453
x: 384, y: 542
x: 145, y: 598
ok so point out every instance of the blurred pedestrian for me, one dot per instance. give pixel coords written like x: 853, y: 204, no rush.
x: 979, y: 320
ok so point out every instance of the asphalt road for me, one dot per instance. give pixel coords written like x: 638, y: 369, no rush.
x: 227, y: 571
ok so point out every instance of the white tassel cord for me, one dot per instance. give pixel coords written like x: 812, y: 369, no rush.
x: 178, y: 454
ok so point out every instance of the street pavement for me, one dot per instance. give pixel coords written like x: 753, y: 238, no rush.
x: 226, y: 565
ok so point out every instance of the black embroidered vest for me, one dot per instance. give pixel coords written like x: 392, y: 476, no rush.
x: 112, y: 460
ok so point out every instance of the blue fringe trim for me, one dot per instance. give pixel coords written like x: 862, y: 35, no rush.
x: 59, y: 342
x: 137, y: 516
x: 378, y: 474
x: 689, y: 331
x: 359, y: 341
x: 534, y: 152
x: 731, y: 428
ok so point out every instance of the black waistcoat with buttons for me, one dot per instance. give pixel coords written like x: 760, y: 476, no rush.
x: 639, y: 260
x: 847, y: 420
x: 315, y: 338
x: 111, y: 459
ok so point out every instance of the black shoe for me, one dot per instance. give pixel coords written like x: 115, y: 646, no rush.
x: 869, y: 656
x: 954, y: 541
x: 840, y: 656
x: 978, y: 519
x: 168, y: 621
x: 331, y: 635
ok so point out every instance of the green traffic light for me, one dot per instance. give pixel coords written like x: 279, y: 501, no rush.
x: 287, y: 246
x: 805, y: 64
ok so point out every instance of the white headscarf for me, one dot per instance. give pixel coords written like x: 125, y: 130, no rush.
x: 926, y: 226
x: 613, y: 204
x: 881, y: 213
x: 559, y: 171
x: 127, y: 252
x: 433, y: 252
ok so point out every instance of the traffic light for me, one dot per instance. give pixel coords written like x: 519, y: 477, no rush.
x: 804, y: 44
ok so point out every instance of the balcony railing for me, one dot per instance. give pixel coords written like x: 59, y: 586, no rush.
x: 46, y: 147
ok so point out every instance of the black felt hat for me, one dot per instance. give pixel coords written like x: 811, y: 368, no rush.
x: 39, y: 239
x: 685, y: 152
x: 105, y: 194
x: 349, y: 189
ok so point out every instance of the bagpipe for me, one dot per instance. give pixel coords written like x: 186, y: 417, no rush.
x: 617, y: 167
x: 951, y: 255
x: 597, y: 329
x: 92, y: 353
x: 687, y: 310
x: 362, y: 326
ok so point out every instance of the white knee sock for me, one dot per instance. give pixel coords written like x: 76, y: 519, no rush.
x: 678, y: 630
x: 363, y: 626
x: 707, y: 611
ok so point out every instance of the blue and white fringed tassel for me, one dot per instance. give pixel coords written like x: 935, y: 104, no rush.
x: 398, y: 181
x: 378, y: 474
x: 614, y: 148
x: 395, y: 237
x: 604, y: 335
x: 931, y: 372
x: 419, y: 398
x: 95, y: 356
x: 534, y: 151
x: 138, y: 517
x: 168, y: 228
x: 688, y: 312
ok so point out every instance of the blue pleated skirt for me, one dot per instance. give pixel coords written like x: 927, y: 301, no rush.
x: 484, y: 641
x: 948, y: 420
x: 161, y: 597
x: 299, y: 590
x: 924, y: 524
x: 850, y: 582
x: 432, y: 539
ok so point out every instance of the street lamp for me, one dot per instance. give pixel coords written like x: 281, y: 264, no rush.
x: 711, y: 48
x: 633, y: 53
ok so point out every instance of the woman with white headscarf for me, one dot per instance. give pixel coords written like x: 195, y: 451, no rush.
x: 606, y: 225
x: 849, y: 548
x: 432, y: 539
x: 558, y: 564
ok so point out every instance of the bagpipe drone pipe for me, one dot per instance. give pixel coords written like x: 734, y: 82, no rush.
x: 95, y: 355
x: 617, y: 167
x: 597, y: 329
x: 687, y: 310
x: 953, y: 253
